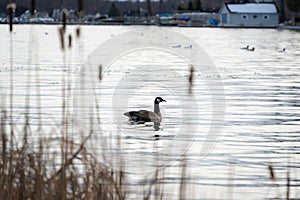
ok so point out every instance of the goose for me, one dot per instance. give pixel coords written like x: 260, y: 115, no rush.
x: 253, y: 49
x: 282, y: 50
x: 177, y: 46
x: 189, y: 47
x: 245, y: 48
x: 145, y: 115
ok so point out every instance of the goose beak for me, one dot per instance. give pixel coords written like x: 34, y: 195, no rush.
x: 164, y: 100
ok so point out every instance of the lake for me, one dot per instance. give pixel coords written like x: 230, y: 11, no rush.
x: 241, y: 117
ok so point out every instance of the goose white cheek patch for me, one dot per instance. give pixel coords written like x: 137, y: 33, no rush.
x: 138, y: 66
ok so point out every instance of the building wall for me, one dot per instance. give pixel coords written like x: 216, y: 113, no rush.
x: 224, y: 15
x: 253, y: 19
x: 247, y: 19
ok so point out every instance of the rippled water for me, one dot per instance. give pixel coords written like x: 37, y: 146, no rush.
x: 261, y: 125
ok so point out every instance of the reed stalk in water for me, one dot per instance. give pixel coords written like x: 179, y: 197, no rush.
x: 288, y: 184
x: 11, y: 9
x: 32, y: 8
x: 191, y: 77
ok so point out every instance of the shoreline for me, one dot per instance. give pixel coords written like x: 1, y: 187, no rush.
x: 280, y: 27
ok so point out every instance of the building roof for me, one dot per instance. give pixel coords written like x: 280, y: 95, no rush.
x: 252, y: 8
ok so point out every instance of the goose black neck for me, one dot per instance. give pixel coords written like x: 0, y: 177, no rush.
x: 156, y: 108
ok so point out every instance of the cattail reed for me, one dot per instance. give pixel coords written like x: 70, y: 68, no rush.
x: 11, y: 8
x: 64, y: 18
x: 32, y: 8
x: 288, y: 185
x: 62, y: 37
x: 272, y: 175
x: 62, y: 30
x: 70, y: 41
x: 191, y: 76
x: 80, y: 8
x: 78, y: 32
x: 182, y: 178
x: 100, y: 73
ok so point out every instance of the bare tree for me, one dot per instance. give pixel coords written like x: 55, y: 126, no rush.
x: 293, y: 5
x: 160, y: 5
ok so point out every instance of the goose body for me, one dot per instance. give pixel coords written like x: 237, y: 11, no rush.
x: 177, y: 46
x: 252, y: 49
x: 146, y: 115
x: 246, y: 47
x: 189, y: 47
x: 143, y: 116
x: 282, y: 50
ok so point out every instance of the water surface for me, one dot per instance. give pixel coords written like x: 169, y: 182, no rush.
x: 261, y: 127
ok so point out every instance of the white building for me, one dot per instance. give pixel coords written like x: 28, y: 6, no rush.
x: 249, y: 15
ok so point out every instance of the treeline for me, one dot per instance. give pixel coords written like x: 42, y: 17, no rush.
x: 293, y: 5
x: 103, y: 6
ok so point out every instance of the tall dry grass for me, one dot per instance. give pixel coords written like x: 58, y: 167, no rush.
x: 29, y: 170
x: 25, y: 173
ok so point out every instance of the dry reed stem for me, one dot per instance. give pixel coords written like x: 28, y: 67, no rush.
x: 70, y: 160
x: 100, y: 73
x: 32, y: 8
x: 11, y: 7
x: 288, y: 185
x: 272, y: 174
x: 182, y: 179
x: 191, y: 76
x: 10, y: 10
x: 152, y: 182
x: 62, y: 37
x: 64, y: 19
x: 78, y: 32
x: 80, y: 8
x: 70, y: 41
x: 230, y: 180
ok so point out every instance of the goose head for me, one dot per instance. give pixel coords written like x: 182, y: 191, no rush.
x: 159, y: 100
